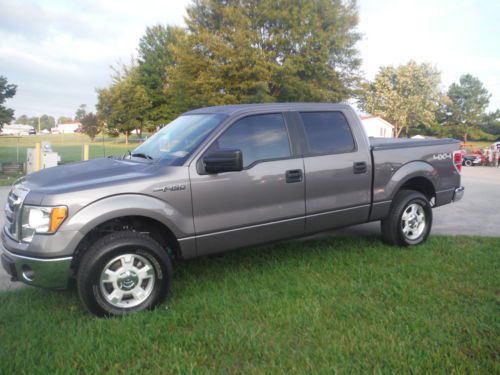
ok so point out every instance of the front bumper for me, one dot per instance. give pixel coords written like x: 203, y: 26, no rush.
x: 458, y: 194
x: 52, y: 273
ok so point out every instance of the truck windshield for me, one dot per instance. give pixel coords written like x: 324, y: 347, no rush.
x: 176, y: 141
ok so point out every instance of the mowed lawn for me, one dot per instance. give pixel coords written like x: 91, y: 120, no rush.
x: 69, y: 146
x: 340, y: 305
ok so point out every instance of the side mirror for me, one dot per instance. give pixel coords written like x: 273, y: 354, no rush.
x: 224, y: 161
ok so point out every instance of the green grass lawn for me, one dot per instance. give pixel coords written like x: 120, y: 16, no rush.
x: 344, y: 305
x: 69, y: 146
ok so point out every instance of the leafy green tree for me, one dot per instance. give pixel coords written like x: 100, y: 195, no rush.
x: 122, y: 107
x: 23, y: 119
x: 466, y: 109
x: 407, y: 96
x: 7, y: 91
x: 240, y: 51
x: 154, y: 56
x: 46, y: 122
x: 64, y: 120
x: 491, y: 123
x: 81, y: 112
x: 90, y: 125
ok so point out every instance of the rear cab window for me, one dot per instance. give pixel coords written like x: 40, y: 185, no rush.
x: 327, y: 133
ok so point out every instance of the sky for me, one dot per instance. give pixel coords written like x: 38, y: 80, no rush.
x: 58, y: 52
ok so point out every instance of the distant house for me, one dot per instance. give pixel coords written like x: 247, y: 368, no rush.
x: 17, y: 129
x: 70, y: 128
x: 377, y: 127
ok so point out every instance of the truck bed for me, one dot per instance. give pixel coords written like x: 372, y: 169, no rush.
x: 392, y: 143
x: 395, y: 159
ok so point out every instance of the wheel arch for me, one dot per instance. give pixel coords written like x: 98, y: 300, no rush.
x: 139, y: 213
x: 142, y: 224
x: 418, y: 176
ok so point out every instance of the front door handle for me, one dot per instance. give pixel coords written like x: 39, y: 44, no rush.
x: 359, y: 167
x: 293, y: 175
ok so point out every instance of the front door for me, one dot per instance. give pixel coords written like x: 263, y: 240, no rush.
x: 264, y: 202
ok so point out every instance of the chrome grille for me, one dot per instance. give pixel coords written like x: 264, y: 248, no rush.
x: 13, y: 210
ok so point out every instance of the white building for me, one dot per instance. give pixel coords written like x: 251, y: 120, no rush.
x: 17, y: 129
x: 66, y: 128
x: 377, y: 127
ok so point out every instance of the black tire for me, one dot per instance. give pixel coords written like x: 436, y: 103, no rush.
x: 468, y: 163
x: 140, y: 250
x: 392, y: 226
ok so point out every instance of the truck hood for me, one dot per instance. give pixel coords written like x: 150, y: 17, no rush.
x: 88, y: 174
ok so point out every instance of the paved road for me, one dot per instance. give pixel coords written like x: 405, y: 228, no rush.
x: 477, y: 214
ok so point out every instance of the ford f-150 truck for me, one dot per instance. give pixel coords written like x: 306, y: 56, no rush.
x: 216, y: 179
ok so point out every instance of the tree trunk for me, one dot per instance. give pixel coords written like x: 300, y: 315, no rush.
x: 465, y: 137
x: 398, y: 131
x: 126, y: 138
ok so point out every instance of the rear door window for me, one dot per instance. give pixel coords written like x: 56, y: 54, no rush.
x: 327, y: 133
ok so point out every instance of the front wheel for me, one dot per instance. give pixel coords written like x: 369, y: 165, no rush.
x: 409, y: 221
x: 122, y: 273
x: 468, y: 163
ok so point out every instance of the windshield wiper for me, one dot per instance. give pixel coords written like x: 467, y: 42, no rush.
x: 141, y: 155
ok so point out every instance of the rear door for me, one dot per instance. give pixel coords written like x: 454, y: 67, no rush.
x: 337, y: 172
x: 263, y: 202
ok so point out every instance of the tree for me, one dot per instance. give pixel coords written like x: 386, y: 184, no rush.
x: 90, y: 125
x: 407, y: 96
x: 491, y: 124
x: 64, y: 120
x: 154, y: 56
x: 47, y: 122
x: 465, y: 111
x: 248, y: 51
x: 7, y: 91
x: 81, y: 112
x: 23, y: 119
x: 122, y: 106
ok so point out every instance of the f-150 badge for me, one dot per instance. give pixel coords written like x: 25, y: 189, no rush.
x: 173, y: 187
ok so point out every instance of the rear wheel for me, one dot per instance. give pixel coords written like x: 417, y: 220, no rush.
x: 409, y: 221
x: 123, y: 273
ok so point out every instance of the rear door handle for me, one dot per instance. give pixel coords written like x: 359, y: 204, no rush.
x: 359, y: 167
x: 293, y: 175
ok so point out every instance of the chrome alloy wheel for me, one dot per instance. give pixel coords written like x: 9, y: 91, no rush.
x: 413, y: 221
x: 127, y: 280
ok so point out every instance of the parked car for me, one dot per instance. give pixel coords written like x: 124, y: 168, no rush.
x: 213, y: 180
x: 471, y: 160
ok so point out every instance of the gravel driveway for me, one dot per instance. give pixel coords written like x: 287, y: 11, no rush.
x: 478, y: 213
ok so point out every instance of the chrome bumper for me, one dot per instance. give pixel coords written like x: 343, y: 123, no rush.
x: 53, y: 273
x: 458, y: 194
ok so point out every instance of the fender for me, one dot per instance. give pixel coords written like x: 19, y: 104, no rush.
x: 121, y: 205
x: 409, y: 171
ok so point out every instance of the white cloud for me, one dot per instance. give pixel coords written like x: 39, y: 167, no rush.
x: 59, y: 52
x: 457, y: 36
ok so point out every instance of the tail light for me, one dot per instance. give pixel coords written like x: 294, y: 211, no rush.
x: 457, y: 160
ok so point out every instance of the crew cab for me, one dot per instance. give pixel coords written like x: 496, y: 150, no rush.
x: 216, y: 179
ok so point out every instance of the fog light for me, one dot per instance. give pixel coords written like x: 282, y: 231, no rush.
x: 28, y: 273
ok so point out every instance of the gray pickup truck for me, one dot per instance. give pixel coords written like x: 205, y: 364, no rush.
x: 216, y: 179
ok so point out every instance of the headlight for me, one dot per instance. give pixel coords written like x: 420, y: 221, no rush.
x: 41, y: 220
